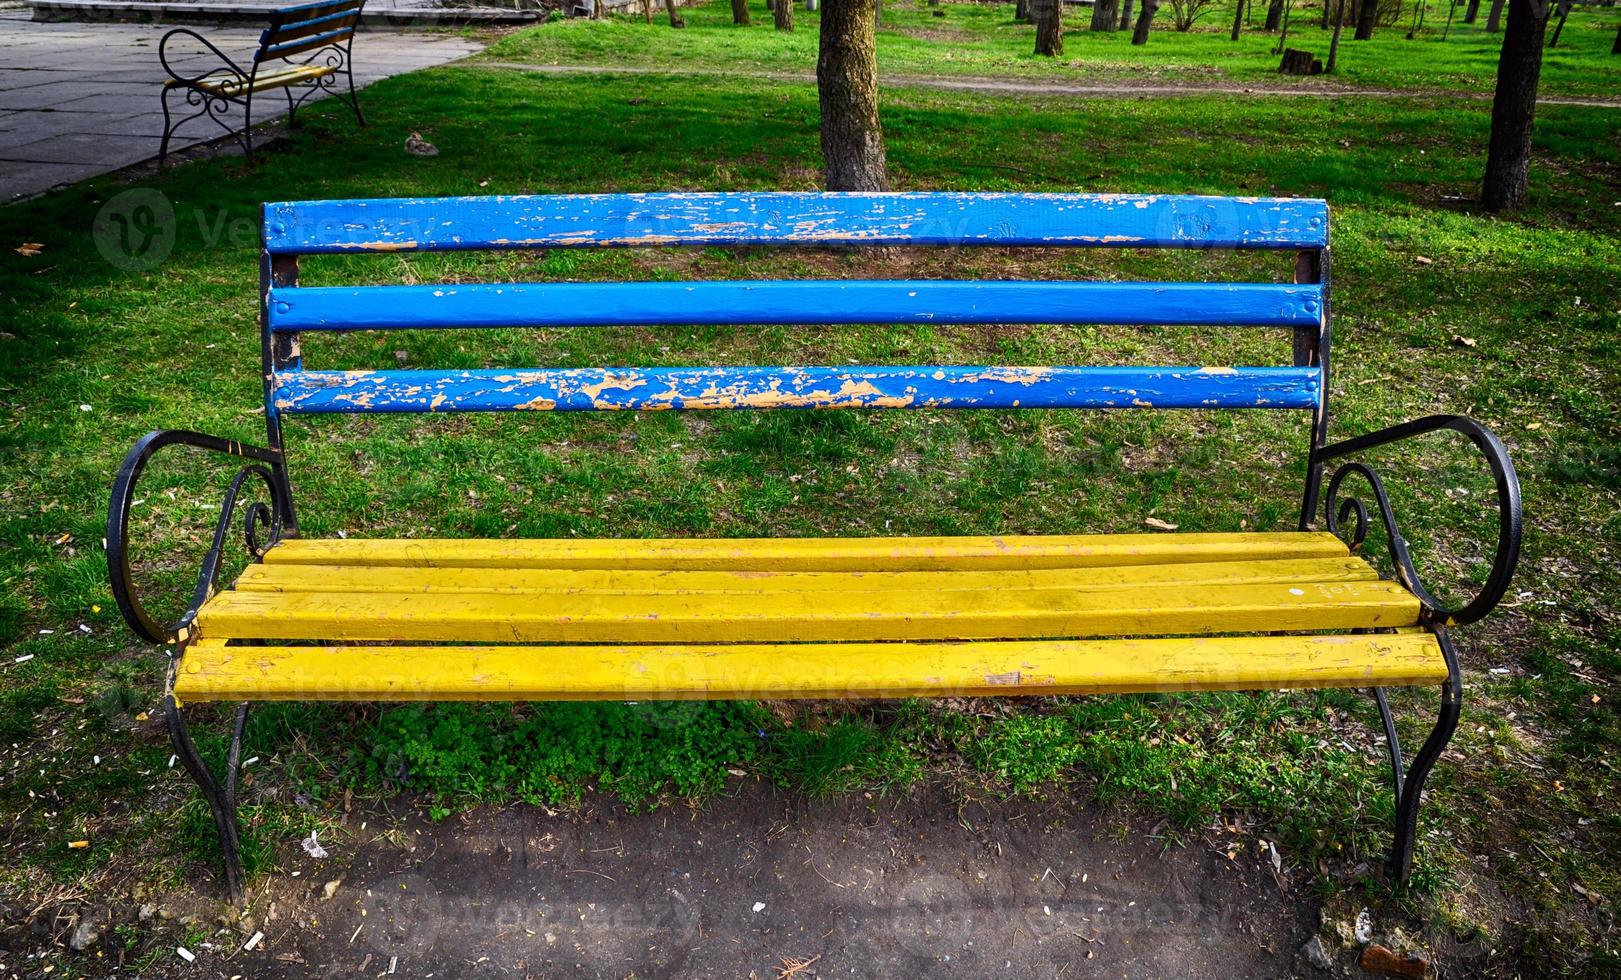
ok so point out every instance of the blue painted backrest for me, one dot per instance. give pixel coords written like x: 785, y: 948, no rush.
x: 308, y: 27
x: 792, y: 219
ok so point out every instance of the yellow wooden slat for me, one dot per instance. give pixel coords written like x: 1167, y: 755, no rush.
x: 801, y: 616
x: 360, y: 578
x: 237, y: 85
x: 815, y: 554
x: 213, y: 671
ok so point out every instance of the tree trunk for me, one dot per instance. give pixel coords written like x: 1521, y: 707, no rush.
x: 1050, y: 28
x: 1334, y: 42
x: 1125, y: 16
x: 1471, y: 12
x: 1323, y: 23
x: 740, y: 13
x: 847, y: 78
x: 1494, y: 20
x: 675, y: 16
x: 1274, y: 14
x: 1614, y: 48
x: 1564, y: 14
x: 1139, y: 34
x: 782, y: 14
x: 1508, y: 158
x: 1238, y: 20
x: 1364, y: 20
x: 1105, y: 15
x: 1021, y: 11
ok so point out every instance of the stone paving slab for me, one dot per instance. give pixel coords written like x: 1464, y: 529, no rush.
x: 80, y: 100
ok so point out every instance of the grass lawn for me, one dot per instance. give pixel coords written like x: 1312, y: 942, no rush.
x: 984, y: 40
x: 1438, y: 308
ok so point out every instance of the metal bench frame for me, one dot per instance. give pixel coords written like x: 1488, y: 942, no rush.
x: 320, y: 33
x: 291, y: 230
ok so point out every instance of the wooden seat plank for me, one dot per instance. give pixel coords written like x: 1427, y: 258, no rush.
x: 827, y: 616
x: 813, y: 554
x: 212, y: 671
x: 364, y: 578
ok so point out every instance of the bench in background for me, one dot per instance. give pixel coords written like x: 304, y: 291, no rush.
x: 303, y: 52
x: 426, y: 619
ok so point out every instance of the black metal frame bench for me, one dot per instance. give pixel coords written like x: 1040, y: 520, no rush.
x: 312, y: 42
x: 424, y: 619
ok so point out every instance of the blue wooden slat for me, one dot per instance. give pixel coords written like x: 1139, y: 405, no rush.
x: 795, y: 301
x: 1121, y: 220
x: 278, y: 34
x: 585, y: 389
x: 302, y: 44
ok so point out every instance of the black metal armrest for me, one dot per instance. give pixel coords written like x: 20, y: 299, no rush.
x: 272, y: 519
x: 1510, y: 520
x: 230, y: 67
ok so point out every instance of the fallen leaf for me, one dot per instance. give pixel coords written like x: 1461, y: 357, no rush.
x: 1423, y: 260
x: 1157, y: 523
x: 1463, y: 341
x: 30, y: 249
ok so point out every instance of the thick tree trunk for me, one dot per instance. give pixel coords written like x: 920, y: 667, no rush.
x: 1564, y: 14
x: 1334, y: 42
x: 1494, y: 20
x: 1125, y: 16
x: 675, y: 16
x: 1105, y: 14
x: 1238, y: 20
x: 1471, y: 12
x: 1050, y: 28
x: 1021, y: 11
x: 1139, y: 34
x: 1274, y: 14
x: 847, y: 77
x: 1365, y: 17
x: 782, y: 13
x: 740, y: 13
x: 1508, y: 158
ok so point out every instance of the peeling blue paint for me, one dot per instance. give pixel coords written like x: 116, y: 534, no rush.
x: 652, y: 389
x: 793, y: 302
x: 817, y: 219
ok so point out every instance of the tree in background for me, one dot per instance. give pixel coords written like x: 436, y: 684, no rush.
x: 1274, y: 14
x: 1519, y: 68
x: 1238, y: 19
x: 1049, y: 28
x: 847, y: 83
x: 740, y: 13
x: 782, y: 13
x: 1334, y: 42
x: 1125, y: 15
x: 675, y: 15
x: 1139, y: 34
x: 1185, y: 13
x: 1105, y: 15
x: 1366, y: 14
x: 1494, y: 20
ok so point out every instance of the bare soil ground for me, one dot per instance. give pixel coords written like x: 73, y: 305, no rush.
x: 752, y: 884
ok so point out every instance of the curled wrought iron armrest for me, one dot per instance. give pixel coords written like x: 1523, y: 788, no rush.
x: 163, y: 58
x: 265, y: 465
x: 1510, y: 520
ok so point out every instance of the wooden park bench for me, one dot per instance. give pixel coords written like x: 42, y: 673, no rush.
x: 863, y: 617
x: 302, y: 53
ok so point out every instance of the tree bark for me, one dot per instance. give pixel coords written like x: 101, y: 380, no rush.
x: 1105, y: 15
x: 1471, y: 12
x: 782, y: 14
x: 1274, y: 14
x: 1508, y: 158
x: 1494, y: 20
x: 847, y: 78
x: 1139, y: 34
x: 1334, y: 42
x: 1238, y: 20
x: 740, y: 13
x: 1564, y: 14
x: 1125, y: 16
x: 1365, y: 17
x: 1021, y: 11
x: 1050, y: 28
x: 675, y: 16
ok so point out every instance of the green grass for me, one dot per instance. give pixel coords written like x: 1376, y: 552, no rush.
x: 985, y: 40
x: 1523, y: 808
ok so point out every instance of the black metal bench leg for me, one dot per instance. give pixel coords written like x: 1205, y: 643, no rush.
x: 1410, y: 786
x: 221, y: 799
x: 354, y: 97
x: 168, y: 129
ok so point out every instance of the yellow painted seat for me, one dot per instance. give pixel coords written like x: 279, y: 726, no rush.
x: 239, y: 85
x: 852, y: 617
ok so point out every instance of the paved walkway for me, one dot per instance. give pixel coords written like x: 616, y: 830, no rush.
x: 80, y: 100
